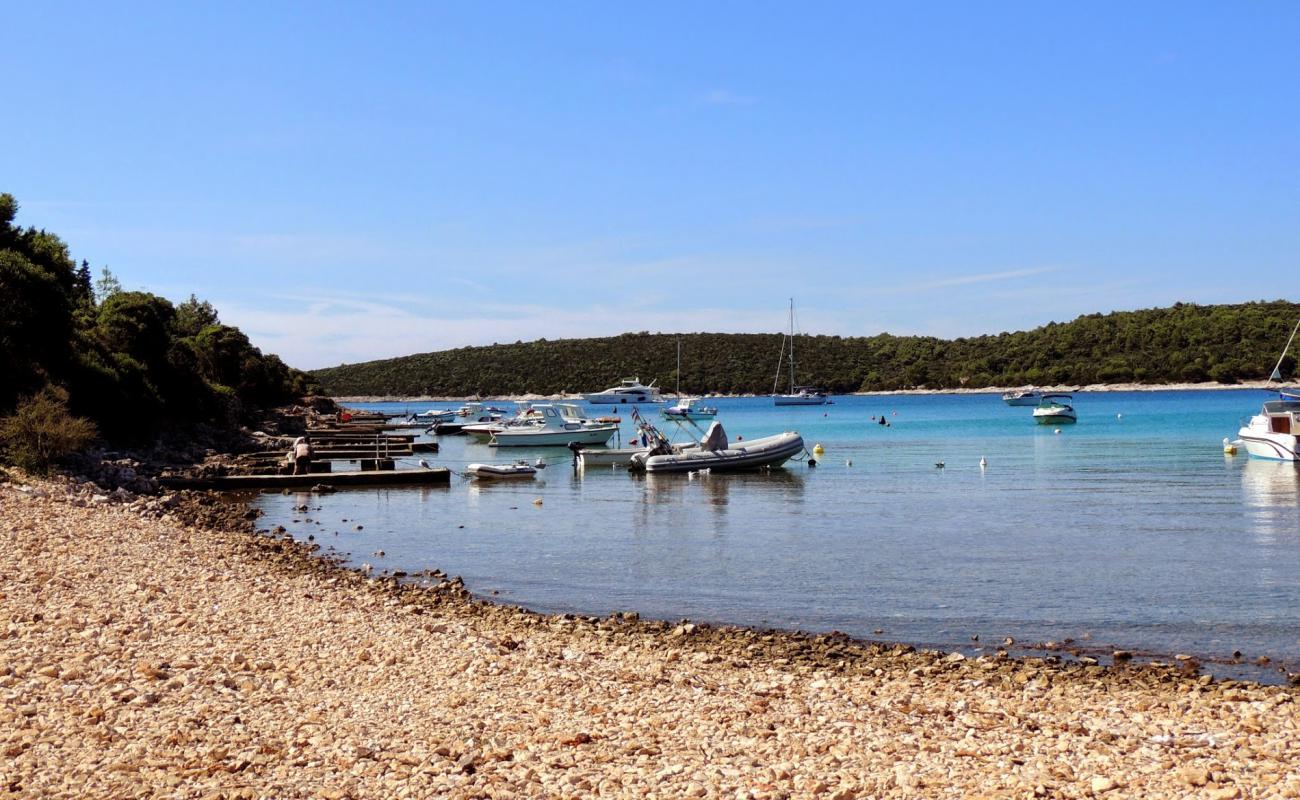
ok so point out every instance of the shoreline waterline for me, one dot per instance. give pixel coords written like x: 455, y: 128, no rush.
x: 1063, y: 388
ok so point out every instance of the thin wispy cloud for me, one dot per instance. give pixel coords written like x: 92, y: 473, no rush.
x: 966, y: 280
x: 726, y: 97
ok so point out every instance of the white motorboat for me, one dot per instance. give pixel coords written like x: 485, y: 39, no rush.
x: 468, y: 414
x: 1274, y: 432
x: 630, y: 390
x: 689, y: 408
x: 1055, y: 409
x: 555, y: 429
x: 483, y: 431
x: 716, y: 454
x: 799, y: 395
x: 1023, y: 397
x: 494, y: 471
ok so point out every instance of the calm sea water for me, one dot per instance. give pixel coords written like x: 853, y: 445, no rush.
x: 1129, y: 529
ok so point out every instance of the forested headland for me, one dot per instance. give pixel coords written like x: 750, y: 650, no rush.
x: 1183, y: 343
x: 131, y: 363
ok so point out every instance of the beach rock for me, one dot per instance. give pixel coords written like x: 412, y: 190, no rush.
x: 1101, y: 785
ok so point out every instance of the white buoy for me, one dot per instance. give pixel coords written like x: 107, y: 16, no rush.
x: 1058, y: 430
x: 1119, y: 416
x: 984, y: 462
x: 848, y: 462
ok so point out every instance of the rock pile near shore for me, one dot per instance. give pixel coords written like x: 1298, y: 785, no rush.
x: 141, y: 655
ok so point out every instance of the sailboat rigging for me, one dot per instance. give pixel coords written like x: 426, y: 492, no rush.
x: 799, y: 395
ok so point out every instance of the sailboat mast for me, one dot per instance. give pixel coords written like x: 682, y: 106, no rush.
x: 792, y: 345
x: 1277, y: 368
x: 679, y: 368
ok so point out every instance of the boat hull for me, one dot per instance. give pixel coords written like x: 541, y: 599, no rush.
x: 631, y: 398
x: 765, y: 453
x: 1271, y: 446
x: 798, y: 400
x: 596, y: 436
x: 608, y: 457
x: 500, y: 471
x: 1055, y: 418
x: 1021, y: 400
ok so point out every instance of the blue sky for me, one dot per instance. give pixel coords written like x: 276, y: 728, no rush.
x: 359, y: 181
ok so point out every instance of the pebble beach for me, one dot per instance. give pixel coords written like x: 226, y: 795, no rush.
x: 161, y: 648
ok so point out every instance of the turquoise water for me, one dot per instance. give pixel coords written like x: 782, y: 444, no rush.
x: 1130, y: 529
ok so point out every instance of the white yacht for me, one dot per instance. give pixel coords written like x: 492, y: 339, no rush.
x: 1023, y: 397
x: 629, y: 390
x: 1055, y: 409
x: 799, y: 395
x: 1274, y: 432
x: 555, y: 429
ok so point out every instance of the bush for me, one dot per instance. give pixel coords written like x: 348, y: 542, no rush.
x: 42, y: 430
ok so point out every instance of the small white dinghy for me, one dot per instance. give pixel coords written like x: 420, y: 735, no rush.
x: 491, y: 471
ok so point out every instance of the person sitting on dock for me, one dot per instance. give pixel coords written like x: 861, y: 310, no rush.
x: 302, y: 453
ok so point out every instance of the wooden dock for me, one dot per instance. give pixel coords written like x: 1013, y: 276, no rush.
x: 338, y: 480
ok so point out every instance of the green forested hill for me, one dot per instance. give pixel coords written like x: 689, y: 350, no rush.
x: 1187, y: 342
x: 132, y: 362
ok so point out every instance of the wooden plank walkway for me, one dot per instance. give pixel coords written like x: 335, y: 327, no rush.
x: 338, y: 480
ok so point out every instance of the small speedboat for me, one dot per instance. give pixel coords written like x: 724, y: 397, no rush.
x: 1274, y: 433
x: 1023, y: 397
x: 716, y: 454
x: 519, y: 469
x: 689, y: 408
x: 1055, y: 409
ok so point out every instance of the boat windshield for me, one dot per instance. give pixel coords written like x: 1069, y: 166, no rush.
x: 1282, y: 407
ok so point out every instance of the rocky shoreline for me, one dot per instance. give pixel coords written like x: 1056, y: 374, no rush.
x: 160, y: 647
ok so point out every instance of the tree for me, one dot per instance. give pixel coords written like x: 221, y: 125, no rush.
x: 107, y: 285
x: 193, y: 316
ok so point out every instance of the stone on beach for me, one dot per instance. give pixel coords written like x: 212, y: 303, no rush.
x: 145, y: 656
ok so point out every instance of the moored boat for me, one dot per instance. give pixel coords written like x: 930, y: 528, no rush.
x: 799, y: 395
x: 1273, y: 432
x: 1055, y: 409
x: 1023, y: 397
x: 494, y: 471
x: 715, y: 453
x: 629, y: 390
x: 555, y: 429
x: 689, y: 408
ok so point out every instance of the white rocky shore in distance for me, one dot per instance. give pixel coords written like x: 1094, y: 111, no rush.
x: 1094, y: 387
x: 146, y: 657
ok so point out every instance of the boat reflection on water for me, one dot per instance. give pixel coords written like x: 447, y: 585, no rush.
x: 1266, y: 484
x: 1271, y: 492
x: 781, y: 485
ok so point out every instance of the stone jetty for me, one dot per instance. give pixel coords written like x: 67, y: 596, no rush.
x: 160, y: 648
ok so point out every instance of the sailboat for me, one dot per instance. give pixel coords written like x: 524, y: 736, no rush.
x: 799, y: 395
x: 1274, y: 433
x: 686, y: 407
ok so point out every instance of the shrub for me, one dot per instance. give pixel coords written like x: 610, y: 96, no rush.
x: 42, y: 430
